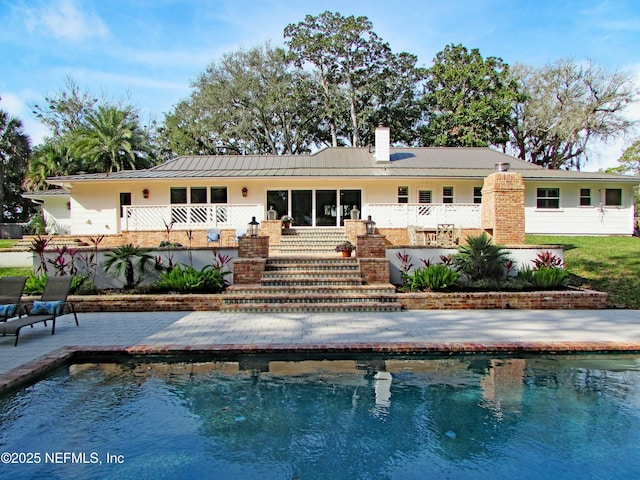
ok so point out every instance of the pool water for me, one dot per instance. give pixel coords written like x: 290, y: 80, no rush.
x: 469, y: 417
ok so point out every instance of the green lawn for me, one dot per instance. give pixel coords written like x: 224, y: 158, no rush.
x: 7, y: 243
x: 15, y: 271
x: 607, y: 264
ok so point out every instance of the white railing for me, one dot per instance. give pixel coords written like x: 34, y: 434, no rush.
x: 188, y: 217
x: 427, y: 215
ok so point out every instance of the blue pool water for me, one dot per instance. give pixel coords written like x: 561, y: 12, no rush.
x: 456, y: 418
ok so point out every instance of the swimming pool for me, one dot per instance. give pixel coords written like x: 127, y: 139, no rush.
x: 372, y: 418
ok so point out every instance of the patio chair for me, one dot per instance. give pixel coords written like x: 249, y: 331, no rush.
x: 213, y: 235
x: 445, y: 236
x: 11, y: 289
x: 51, y: 305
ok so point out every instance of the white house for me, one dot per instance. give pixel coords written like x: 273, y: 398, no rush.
x: 398, y: 187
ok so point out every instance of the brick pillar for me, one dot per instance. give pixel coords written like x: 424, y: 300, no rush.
x: 354, y: 228
x: 271, y: 229
x: 253, y: 247
x: 503, y: 207
x: 370, y: 246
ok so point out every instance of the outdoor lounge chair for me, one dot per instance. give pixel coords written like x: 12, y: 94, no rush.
x: 11, y: 289
x: 51, y: 305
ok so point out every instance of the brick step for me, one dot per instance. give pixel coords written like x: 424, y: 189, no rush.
x: 312, y: 272
x: 257, y: 289
x: 53, y: 242
x: 288, y: 282
x: 297, y: 298
x: 298, y: 260
x: 311, y: 307
x: 311, y: 267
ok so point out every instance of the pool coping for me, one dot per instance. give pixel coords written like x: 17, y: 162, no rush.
x: 38, y: 368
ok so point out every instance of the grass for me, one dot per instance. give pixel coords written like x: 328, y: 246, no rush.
x: 607, y: 264
x: 15, y: 271
x: 7, y: 243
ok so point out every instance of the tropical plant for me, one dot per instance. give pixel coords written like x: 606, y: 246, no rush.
x: 547, y: 259
x: 544, y: 277
x: 286, y: 219
x: 481, y: 259
x: 37, y: 247
x: 433, y: 277
x: 186, y: 279
x: 36, y: 282
x: 126, y: 259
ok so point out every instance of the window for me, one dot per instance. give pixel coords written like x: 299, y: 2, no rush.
x: 125, y: 200
x: 198, y: 195
x: 178, y: 195
x: 477, y: 194
x: 447, y: 194
x: 548, y: 198
x: 218, y: 194
x: 403, y: 194
x: 424, y: 196
x: 613, y: 197
x: 585, y: 197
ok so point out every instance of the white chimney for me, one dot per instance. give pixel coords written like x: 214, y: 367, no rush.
x: 383, y: 144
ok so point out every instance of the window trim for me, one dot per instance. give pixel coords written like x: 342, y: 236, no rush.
x: 606, y: 199
x: 448, y: 199
x: 582, y: 197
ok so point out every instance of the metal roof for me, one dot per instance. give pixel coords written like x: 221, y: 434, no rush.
x: 427, y: 162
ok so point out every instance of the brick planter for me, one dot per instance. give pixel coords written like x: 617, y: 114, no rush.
x: 561, y: 299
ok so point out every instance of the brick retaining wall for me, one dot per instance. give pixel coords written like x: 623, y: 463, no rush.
x: 566, y: 299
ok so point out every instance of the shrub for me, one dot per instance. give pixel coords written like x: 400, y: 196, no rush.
x: 550, y: 277
x: 186, y: 279
x: 433, y: 277
x: 481, y: 259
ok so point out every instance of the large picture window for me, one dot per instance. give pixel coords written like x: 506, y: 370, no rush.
x: 548, y: 198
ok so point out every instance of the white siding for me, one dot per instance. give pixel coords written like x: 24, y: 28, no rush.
x: 572, y: 219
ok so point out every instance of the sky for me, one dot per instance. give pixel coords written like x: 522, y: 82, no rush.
x: 147, y: 52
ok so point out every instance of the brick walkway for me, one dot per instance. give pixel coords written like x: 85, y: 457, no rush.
x: 418, y: 331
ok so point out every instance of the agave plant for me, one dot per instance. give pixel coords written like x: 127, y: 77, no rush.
x: 125, y: 259
x: 481, y: 259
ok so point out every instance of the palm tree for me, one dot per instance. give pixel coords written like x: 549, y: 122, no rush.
x: 51, y: 159
x: 14, y: 155
x: 124, y: 259
x: 113, y: 140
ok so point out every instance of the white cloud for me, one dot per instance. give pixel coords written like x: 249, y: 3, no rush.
x: 15, y: 105
x: 64, y: 20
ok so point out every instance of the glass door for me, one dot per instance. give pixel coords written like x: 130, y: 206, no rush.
x: 326, y: 208
x: 302, y: 208
x: 348, y: 200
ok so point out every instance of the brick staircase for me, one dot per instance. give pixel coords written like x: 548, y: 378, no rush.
x: 296, y: 284
x: 53, y: 242
x: 308, y: 241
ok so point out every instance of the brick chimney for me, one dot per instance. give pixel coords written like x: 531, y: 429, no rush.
x: 383, y: 144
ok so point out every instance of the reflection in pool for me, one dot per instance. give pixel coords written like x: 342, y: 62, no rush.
x: 460, y: 417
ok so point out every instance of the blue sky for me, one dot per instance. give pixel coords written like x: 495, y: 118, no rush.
x: 148, y: 51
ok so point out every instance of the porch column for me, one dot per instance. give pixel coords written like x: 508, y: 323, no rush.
x: 503, y: 207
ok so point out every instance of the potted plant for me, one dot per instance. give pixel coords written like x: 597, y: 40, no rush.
x: 346, y: 248
x: 286, y: 221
